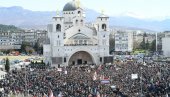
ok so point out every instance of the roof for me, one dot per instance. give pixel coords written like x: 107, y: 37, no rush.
x: 70, y: 6
x: 79, y: 36
x: 103, y: 16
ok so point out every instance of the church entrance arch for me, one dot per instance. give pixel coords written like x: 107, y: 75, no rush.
x: 81, y: 58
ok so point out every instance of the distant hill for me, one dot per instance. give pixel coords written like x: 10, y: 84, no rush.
x: 6, y: 28
x: 39, y: 19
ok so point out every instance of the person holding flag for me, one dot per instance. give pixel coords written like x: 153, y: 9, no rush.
x: 95, y: 76
x: 45, y: 95
x: 51, y: 93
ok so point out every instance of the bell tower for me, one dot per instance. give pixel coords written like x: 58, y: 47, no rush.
x: 102, y: 22
x: 102, y: 27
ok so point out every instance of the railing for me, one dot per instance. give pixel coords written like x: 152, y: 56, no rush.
x: 80, y: 44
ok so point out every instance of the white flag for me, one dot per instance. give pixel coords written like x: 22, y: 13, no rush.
x: 95, y: 76
x: 59, y: 69
x: 134, y: 76
x: 65, y: 72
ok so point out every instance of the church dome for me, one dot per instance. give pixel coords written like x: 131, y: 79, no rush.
x: 71, y: 6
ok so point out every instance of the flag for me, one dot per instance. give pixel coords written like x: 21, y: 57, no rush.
x: 134, y: 76
x: 60, y: 94
x: 59, y: 69
x: 100, y: 67
x: 51, y: 93
x: 98, y: 94
x: 65, y: 72
x: 101, y: 77
x: 45, y: 95
x: 95, y: 76
x: 105, y: 81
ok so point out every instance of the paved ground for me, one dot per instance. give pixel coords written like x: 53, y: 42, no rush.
x: 20, y: 95
x: 17, y: 57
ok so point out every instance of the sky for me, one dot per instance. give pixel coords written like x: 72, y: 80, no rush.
x: 157, y: 9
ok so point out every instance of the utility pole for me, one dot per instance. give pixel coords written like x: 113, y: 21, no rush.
x: 156, y: 41
x: 141, y: 91
x: 25, y: 81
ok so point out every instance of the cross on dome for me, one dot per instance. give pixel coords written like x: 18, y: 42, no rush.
x: 78, y: 3
x: 58, y: 12
x: 102, y: 11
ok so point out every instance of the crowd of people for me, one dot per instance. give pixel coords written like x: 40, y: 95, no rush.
x: 153, y: 80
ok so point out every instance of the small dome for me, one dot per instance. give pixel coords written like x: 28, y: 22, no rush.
x: 71, y: 6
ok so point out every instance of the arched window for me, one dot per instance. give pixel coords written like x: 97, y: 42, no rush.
x: 76, y: 21
x: 81, y: 22
x: 104, y: 27
x: 58, y: 27
x: 79, y: 13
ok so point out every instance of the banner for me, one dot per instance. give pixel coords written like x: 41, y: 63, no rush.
x: 134, y: 76
x: 95, y: 76
x: 59, y: 69
x: 105, y: 81
x: 65, y: 72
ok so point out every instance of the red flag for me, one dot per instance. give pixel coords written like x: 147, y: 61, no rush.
x: 51, y: 93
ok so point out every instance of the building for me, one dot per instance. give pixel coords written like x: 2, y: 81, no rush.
x: 13, y: 40
x: 165, y: 45
x: 30, y: 37
x: 41, y: 37
x: 10, y: 40
x: 72, y: 41
x: 123, y: 41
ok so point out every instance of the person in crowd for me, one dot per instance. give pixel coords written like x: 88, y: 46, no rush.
x: 78, y: 81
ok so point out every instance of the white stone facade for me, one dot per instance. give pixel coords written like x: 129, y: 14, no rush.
x: 71, y: 41
x: 10, y: 40
x: 166, y: 46
x: 123, y: 41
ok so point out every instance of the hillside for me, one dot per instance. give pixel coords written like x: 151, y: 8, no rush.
x: 6, y: 28
x: 39, y: 19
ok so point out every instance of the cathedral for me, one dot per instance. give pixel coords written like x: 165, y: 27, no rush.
x: 71, y: 41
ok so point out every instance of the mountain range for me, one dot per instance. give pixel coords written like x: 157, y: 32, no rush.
x: 24, y: 18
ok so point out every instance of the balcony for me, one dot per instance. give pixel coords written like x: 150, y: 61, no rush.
x: 80, y: 44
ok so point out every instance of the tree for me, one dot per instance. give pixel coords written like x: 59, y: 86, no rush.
x: 36, y: 47
x: 29, y: 50
x: 147, y: 45
x: 153, y: 45
x: 136, y: 45
x: 7, y: 65
x: 48, y: 64
x: 42, y: 62
x: 23, y: 47
x: 143, y: 44
x: 41, y: 50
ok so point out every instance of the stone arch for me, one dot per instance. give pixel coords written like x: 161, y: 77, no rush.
x: 81, y: 51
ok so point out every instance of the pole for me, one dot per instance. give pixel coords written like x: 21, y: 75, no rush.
x: 25, y: 82
x: 141, y: 82
x: 156, y: 41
